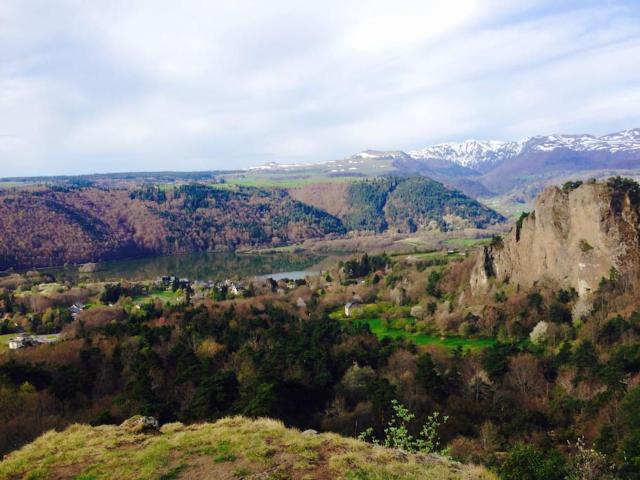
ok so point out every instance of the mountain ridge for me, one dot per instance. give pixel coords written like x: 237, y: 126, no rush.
x: 492, y: 167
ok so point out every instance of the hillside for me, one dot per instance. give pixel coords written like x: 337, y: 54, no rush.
x: 574, y: 237
x: 230, y: 448
x: 53, y: 226
x: 409, y: 204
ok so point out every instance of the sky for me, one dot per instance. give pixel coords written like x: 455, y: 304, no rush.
x: 88, y: 87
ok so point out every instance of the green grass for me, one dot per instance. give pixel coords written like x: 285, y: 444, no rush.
x: 417, y: 243
x: 261, y: 448
x: 4, y: 341
x: 451, y: 342
x: 165, y: 296
x: 270, y: 182
x: 466, y: 242
x: 283, y: 249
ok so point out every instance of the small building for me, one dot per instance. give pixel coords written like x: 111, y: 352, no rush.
x: 76, y: 308
x: 237, y: 288
x: 21, y: 341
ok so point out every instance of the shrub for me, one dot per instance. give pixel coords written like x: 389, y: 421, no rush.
x: 571, y: 185
x: 528, y: 462
x: 397, y: 435
x: 585, y: 246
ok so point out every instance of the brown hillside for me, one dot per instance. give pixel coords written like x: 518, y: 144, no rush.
x: 328, y: 196
x: 55, y: 226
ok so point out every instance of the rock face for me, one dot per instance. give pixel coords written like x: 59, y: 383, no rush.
x: 573, y: 238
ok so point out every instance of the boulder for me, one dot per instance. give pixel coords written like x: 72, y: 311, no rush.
x: 141, y: 424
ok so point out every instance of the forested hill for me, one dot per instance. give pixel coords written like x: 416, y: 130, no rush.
x: 53, y: 226
x: 407, y: 204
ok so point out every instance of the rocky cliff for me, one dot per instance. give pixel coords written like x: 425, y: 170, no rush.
x: 573, y: 238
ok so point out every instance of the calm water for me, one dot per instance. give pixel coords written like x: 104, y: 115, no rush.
x: 200, y: 266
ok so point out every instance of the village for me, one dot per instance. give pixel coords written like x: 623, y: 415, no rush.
x: 35, y: 302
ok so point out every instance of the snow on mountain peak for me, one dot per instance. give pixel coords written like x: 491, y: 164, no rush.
x: 473, y: 153
x: 376, y: 154
x: 469, y: 153
x: 626, y: 140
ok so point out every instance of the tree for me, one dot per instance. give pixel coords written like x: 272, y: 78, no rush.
x: 558, y: 313
x: 111, y: 294
x: 495, y: 359
x: 432, y: 284
x: 528, y: 462
x: 215, y: 395
x: 429, y: 378
x: 539, y: 334
x: 585, y: 357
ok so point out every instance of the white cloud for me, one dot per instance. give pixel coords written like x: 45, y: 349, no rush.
x: 150, y: 85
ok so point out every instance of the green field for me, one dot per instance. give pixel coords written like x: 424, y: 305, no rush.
x: 466, y: 242
x: 283, y: 182
x: 10, y: 184
x: 449, y: 342
x: 165, y: 296
x: 4, y: 341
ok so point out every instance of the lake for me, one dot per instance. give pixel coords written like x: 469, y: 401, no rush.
x: 200, y: 266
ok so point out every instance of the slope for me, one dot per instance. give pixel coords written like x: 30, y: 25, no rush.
x: 230, y: 448
x: 409, y: 204
x: 53, y: 226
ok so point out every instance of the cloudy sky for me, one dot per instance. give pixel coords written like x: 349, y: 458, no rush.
x: 198, y: 85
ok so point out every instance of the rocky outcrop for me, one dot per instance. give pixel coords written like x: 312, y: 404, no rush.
x: 573, y: 238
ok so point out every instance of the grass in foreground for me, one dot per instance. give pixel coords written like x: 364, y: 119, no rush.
x: 231, y: 448
x: 379, y: 329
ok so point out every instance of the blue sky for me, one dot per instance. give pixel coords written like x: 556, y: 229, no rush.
x: 192, y: 85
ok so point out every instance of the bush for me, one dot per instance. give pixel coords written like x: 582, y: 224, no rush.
x: 558, y: 313
x: 585, y: 246
x: 571, y: 185
x: 397, y: 435
x: 528, y: 462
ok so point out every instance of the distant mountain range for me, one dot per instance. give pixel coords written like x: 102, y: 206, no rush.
x: 490, y: 167
x: 479, y: 153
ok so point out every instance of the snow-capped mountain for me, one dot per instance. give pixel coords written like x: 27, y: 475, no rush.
x: 476, y: 153
x: 470, y: 153
x: 279, y: 166
x: 624, y: 141
x: 379, y: 154
x: 484, y: 167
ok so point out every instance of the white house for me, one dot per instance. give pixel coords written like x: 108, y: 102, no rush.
x: 22, y: 341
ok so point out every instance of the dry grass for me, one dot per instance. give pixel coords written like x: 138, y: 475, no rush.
x: 229, y: 449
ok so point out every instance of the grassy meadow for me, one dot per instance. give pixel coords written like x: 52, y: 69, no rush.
x: 232, y: 448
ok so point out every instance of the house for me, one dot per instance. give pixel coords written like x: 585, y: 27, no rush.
x: 166, y: 280
x: 237, y: 288
x: 75, y: 309
x: 21, y: 341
